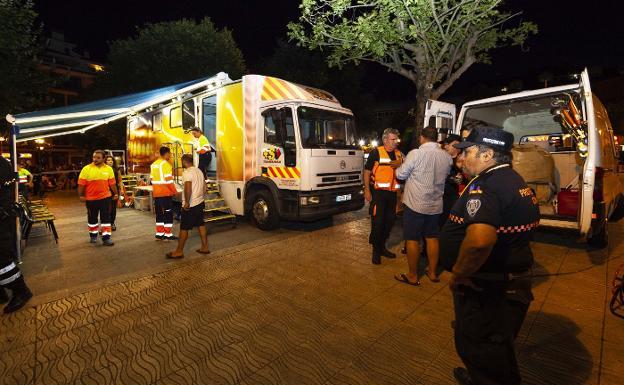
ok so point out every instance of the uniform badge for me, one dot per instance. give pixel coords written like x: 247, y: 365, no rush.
x: 472, y: 206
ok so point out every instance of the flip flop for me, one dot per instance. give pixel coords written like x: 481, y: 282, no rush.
x: 169, y: 255
x: 202, y: 252
x: 403, y: 279
x: 434, y: 280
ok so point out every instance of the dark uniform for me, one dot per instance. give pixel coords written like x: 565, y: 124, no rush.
x: 487, y: 322
x: 382, y: 207
x: 10, y: 275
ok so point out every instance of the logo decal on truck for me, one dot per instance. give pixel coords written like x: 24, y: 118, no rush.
x: 271, y: 154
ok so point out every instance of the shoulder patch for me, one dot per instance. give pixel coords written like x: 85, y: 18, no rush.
x: 475, y: 189
x: 472, y: 206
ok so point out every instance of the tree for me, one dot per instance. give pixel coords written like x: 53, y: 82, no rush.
x: 429, y: 42
x: 162, y: 54
x: 23, y: 86
x: 167, y: 53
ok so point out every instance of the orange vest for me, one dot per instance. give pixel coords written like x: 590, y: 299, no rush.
x: 383, y: 175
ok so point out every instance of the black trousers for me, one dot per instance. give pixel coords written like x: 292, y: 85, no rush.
x: 10, y: 274
x: 383, y: 216
x: 99, y: 208
x: 113, y: 211
x: 204, y: 163
x: 486, y: 325
x: 164, y: 216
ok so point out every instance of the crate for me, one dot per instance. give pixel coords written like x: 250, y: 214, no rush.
x: 142, y: 203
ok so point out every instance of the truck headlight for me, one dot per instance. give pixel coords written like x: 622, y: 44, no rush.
x: 314, y: 200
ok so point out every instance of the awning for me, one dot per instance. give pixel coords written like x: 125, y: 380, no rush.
x: 79, y: 118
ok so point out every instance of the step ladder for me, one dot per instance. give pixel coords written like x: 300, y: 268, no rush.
x: 216, y: 209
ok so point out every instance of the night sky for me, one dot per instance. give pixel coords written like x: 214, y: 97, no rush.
x: 573, y: 34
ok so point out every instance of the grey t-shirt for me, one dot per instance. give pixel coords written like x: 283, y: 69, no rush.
x: 425, y: 170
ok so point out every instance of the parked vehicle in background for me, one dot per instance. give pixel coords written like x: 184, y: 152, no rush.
x: 565, y: 150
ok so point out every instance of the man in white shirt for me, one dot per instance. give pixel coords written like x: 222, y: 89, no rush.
x: 425, y: 170
x: 192, y: 208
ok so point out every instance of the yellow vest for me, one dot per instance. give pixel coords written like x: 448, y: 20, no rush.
x: 161, y: 175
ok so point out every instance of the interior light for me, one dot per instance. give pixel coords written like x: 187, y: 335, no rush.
x: 374, y: 143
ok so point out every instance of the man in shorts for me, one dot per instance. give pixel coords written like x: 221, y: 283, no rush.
x: 192, y: 208
x: 425, y: 169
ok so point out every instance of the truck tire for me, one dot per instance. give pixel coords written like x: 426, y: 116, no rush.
x: 264, y: 211
x: 600, y: 239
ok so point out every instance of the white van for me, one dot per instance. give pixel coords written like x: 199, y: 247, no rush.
x: 565, y: 135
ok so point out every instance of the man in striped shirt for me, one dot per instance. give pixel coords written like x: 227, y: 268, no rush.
x: 425, y: 169
x: 95, y: 183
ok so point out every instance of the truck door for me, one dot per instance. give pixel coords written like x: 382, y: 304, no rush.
x: 278, y: 157
x: 593, y: 154
x: 209, y: 126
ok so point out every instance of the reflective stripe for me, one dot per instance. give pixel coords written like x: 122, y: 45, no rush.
x: 11, y: 278
x: 8, y: 268
x: 160, y: 223
x: 384, y: 160
x: 105, y: 233
x: 106, y: 224
x: 168, y: 225
x: 163, y: 182
x: 160, y: 234
x: 382, y: 184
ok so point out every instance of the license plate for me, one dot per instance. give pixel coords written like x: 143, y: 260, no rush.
x: 342, y: 198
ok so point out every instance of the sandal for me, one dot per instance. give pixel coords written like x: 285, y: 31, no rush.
x: 403, y: 279
x: 434, y: 280
x: 202, y: 252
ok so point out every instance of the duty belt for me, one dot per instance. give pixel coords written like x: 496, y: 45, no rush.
x: 503, y: 276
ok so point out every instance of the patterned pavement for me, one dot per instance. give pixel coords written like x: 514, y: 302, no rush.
x: 309, y: 309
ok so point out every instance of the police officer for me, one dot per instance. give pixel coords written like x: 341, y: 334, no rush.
x: 10, y: 275
x: 380, y: 189
x: 485, y: 246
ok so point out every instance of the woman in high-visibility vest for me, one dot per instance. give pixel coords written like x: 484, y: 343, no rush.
x: 202, y: 147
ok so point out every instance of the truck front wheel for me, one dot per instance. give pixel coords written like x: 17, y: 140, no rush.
x: 264, y: 211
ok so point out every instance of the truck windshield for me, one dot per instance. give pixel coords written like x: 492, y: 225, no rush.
x: 325, y: 129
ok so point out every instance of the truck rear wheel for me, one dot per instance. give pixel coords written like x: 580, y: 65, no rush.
x: 264, y: 211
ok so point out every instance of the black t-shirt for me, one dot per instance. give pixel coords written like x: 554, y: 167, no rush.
x: 498, y: 197
x: 373, y: 157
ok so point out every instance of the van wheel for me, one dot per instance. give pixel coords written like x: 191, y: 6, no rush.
x: 264, y: 211
x: 600, y: 239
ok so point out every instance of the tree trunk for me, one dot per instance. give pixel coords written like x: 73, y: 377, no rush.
x: 422, y: 97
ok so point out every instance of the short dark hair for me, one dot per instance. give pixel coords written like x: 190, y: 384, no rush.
x: 164, y: 150
x: 430, y: 133
x: 500, y: 156
x: 195, y: 128
x: 101, y: 152
x: 187, y: 158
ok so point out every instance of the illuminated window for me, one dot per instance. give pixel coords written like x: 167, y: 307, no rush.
x: 157, y: 122
x: 175, y: 117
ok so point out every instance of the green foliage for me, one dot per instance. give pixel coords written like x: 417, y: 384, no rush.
x: 167, y: 53
x: 430, y: 42
x: 23, y: 87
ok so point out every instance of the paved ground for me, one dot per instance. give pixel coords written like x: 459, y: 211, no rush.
x: 306, y: 309
x: 74, y: 266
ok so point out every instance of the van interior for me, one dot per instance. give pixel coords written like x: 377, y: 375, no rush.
x: 546, y: 151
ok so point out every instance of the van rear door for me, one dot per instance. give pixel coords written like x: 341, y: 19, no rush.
x: 593, y: 154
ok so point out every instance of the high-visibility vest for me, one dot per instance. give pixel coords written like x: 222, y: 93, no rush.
x: 161, y: 175
x: 203, y: 145
x: 97, y: 181
x: 383, y: 174
x: 23, y: 175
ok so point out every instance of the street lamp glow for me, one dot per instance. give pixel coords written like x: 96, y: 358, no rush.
x: 39, y: 141
x: 374, y: 143
x: 361, y: 142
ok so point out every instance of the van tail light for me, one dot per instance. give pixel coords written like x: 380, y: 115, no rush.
x: 598, y: 184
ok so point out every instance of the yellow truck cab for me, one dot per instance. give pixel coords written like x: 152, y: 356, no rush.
x: 280, y: 150
x: 565, y: 150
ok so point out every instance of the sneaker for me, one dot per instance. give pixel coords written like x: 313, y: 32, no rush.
x: 93, y: 240
x: 171, y: 238
x: 159, y: 237
x: 107, y: 242
x: 376, y: 259
x: 388, y: 254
